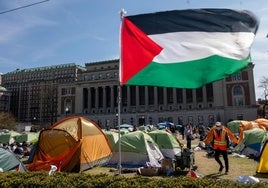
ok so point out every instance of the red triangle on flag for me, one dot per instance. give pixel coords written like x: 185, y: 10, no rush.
x: 137, y: 50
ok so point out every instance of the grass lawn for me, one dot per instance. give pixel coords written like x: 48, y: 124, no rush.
x: 208, y: 167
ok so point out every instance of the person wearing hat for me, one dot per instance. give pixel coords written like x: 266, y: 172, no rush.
x: 219, y: 136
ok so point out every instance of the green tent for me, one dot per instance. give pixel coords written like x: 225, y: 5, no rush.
x: 252, y: 142
x: 9, y: 162
x: 234, y: 126
x: 167, y: 143
x: 137, y: 149
x: 112, y: 138
x: 30, y: 137
x: 5, y: 138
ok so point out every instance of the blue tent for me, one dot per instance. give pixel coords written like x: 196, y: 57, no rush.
x: 164, y: 124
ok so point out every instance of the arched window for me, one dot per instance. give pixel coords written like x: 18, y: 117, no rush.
x: 238, y: 96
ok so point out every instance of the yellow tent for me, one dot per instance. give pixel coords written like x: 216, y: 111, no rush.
x: 263, y: 162
x: 73, y: 144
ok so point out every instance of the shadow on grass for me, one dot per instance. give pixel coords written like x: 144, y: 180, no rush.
x: 214, y: 175
x: 261, y: 175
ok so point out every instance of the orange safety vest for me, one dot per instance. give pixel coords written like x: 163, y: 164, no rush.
x: 220, y: 141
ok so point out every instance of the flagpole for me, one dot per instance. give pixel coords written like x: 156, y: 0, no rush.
x: 119, y: 134
x: 122, y: 12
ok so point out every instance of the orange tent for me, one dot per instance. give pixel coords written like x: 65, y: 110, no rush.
x: 73, y: 144
x: 263, y: 123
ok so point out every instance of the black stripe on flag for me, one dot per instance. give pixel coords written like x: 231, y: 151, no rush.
x: 200, y: 20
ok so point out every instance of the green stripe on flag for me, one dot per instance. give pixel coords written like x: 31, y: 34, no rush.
x: 191, y: 74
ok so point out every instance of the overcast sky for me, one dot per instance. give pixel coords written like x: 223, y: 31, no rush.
x: 83, y: 31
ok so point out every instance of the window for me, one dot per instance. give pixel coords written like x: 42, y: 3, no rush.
x: 240, y: 117
x: 169, y: 95
x: 236, y: 77
x: 132, y: 95
x: 108, y: 75
x: 160, y: 93
x: 124, y: 95
x: 179, y: 95
x: 115, y: 74
x: 189, y: 95
x: 209, y: 91
x: 151, y: 95
x: 199, y: 94
x: 142, y: 95
x: 238, y: 96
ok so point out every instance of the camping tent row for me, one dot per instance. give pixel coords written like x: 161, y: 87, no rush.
x: 251, y: 135
x: 10, y: 162
x: 140, y: 149
x: 76, y: 144
x: 253, y: 140
x: 13, y: 136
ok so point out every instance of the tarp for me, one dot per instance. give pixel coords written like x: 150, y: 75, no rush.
x: 73, y: 144
x: 168, y: 144
x: 137, y: 150
x: 9, y: 161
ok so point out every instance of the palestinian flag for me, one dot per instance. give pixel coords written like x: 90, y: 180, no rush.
x: 185, y: 48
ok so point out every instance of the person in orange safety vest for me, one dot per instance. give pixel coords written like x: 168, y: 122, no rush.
x: 219, y: 136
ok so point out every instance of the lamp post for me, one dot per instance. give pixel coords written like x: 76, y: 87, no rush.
x: 143, y: 120
x: 264, y: 106
x: 66, y: 111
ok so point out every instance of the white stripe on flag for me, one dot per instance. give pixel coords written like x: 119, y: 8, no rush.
x: 188, y: 46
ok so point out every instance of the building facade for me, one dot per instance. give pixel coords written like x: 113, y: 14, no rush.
x: 47, y: 94
x: 34, y: 92
x: 95, y: 96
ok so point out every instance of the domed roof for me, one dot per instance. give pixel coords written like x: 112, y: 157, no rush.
x: 2, y: 89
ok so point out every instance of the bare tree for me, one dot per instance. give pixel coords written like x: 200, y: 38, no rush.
x: 264, y: 85
x: 7, y: 121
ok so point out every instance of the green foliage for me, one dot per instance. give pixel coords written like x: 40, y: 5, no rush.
x: 71, y: 180
x: 7, y: 121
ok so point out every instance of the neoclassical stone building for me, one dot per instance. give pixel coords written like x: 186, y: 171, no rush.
x: 44, y: 95
x: 95, y: 96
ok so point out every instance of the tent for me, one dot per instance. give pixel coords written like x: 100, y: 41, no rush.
x: 9, y: 161
x: 29, y: 136
x: 137, y: 150
x: 164, y: 124
x: 112, y: 137
x: 262, y: 122
x: 73, y: 144
x: 146, y: 128
x: 5, y: 138
x: 263, y: 162
x: 251, y: 142
x: 167, y: 143
x: 234, y: 126
x: 126, y: 126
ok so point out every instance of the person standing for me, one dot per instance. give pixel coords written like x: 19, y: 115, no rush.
x: 218, y: 136
x: 188, y: 132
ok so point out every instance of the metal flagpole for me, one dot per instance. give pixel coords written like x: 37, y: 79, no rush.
x: 122, y: 12
x: 119, y: 134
